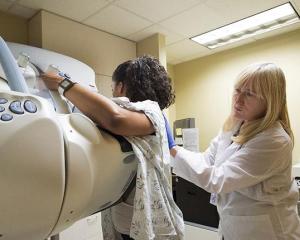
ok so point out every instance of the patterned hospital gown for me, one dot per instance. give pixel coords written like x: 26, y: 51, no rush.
x: 156, y: 215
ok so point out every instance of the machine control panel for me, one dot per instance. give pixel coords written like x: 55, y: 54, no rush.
x: 3, y: 100
x: 6, y: 117
x: 9, y: 109
x: 30, y: 106
x: 16, y: 107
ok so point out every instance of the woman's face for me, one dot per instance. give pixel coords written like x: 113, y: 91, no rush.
x: 247, y: 106
x: 118, y: 89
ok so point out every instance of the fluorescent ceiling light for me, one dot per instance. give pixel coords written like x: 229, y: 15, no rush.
x: 260, y: 23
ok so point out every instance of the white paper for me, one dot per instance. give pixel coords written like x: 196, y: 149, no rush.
x: 191, y: 139
x: 179, y: 141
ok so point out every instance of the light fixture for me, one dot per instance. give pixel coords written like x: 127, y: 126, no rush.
x: 266, y: 21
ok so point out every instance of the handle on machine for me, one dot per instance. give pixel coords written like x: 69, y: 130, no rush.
x: 15, y: 79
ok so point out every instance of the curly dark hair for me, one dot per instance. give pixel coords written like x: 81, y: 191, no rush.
x: 145, y: 79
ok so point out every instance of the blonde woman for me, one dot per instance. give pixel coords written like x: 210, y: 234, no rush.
x: 247, y: 167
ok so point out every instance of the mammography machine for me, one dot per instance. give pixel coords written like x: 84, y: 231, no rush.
x: 56, y: 166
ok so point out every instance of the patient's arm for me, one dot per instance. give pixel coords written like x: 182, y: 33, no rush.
x: 104, y: 111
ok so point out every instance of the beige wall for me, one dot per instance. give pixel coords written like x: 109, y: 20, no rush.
x: 100, y: 50
x: 35, y: 30
x: 204, y: 85
x: 13, y: 28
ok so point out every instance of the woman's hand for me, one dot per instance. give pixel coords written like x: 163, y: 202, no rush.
x: 173, y: 151
x: 171, y: 141
x: 51, y: 80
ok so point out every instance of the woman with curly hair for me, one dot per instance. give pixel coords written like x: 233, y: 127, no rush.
x: 141, y: 89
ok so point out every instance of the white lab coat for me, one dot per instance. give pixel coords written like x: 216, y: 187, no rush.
x: 256, y: 195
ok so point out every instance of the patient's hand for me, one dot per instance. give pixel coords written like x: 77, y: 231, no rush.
x: 51, y: 80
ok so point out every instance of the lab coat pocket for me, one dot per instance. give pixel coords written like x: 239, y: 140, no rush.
x: 247, y: 228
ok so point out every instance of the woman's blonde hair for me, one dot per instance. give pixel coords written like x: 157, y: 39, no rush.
x: 268, y: 82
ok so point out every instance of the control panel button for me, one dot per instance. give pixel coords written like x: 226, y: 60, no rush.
x: 6, y: 117
x: 3, y: 100
x: 30, y: 106
x: 2, y: 109
x: 16, y: 107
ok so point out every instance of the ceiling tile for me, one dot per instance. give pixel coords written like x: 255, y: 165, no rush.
x: 117, y: 21
x: 194, y: 56
x: 171, y: 60
x: 74, y: 9
x: 216, y: 50
x: 22, y: 11
x: 5, y: 5
x: 157, y: 10
x: 197, y: 20
x: 156, y: 28
x: 185, y: 48
x: 296, y: 4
